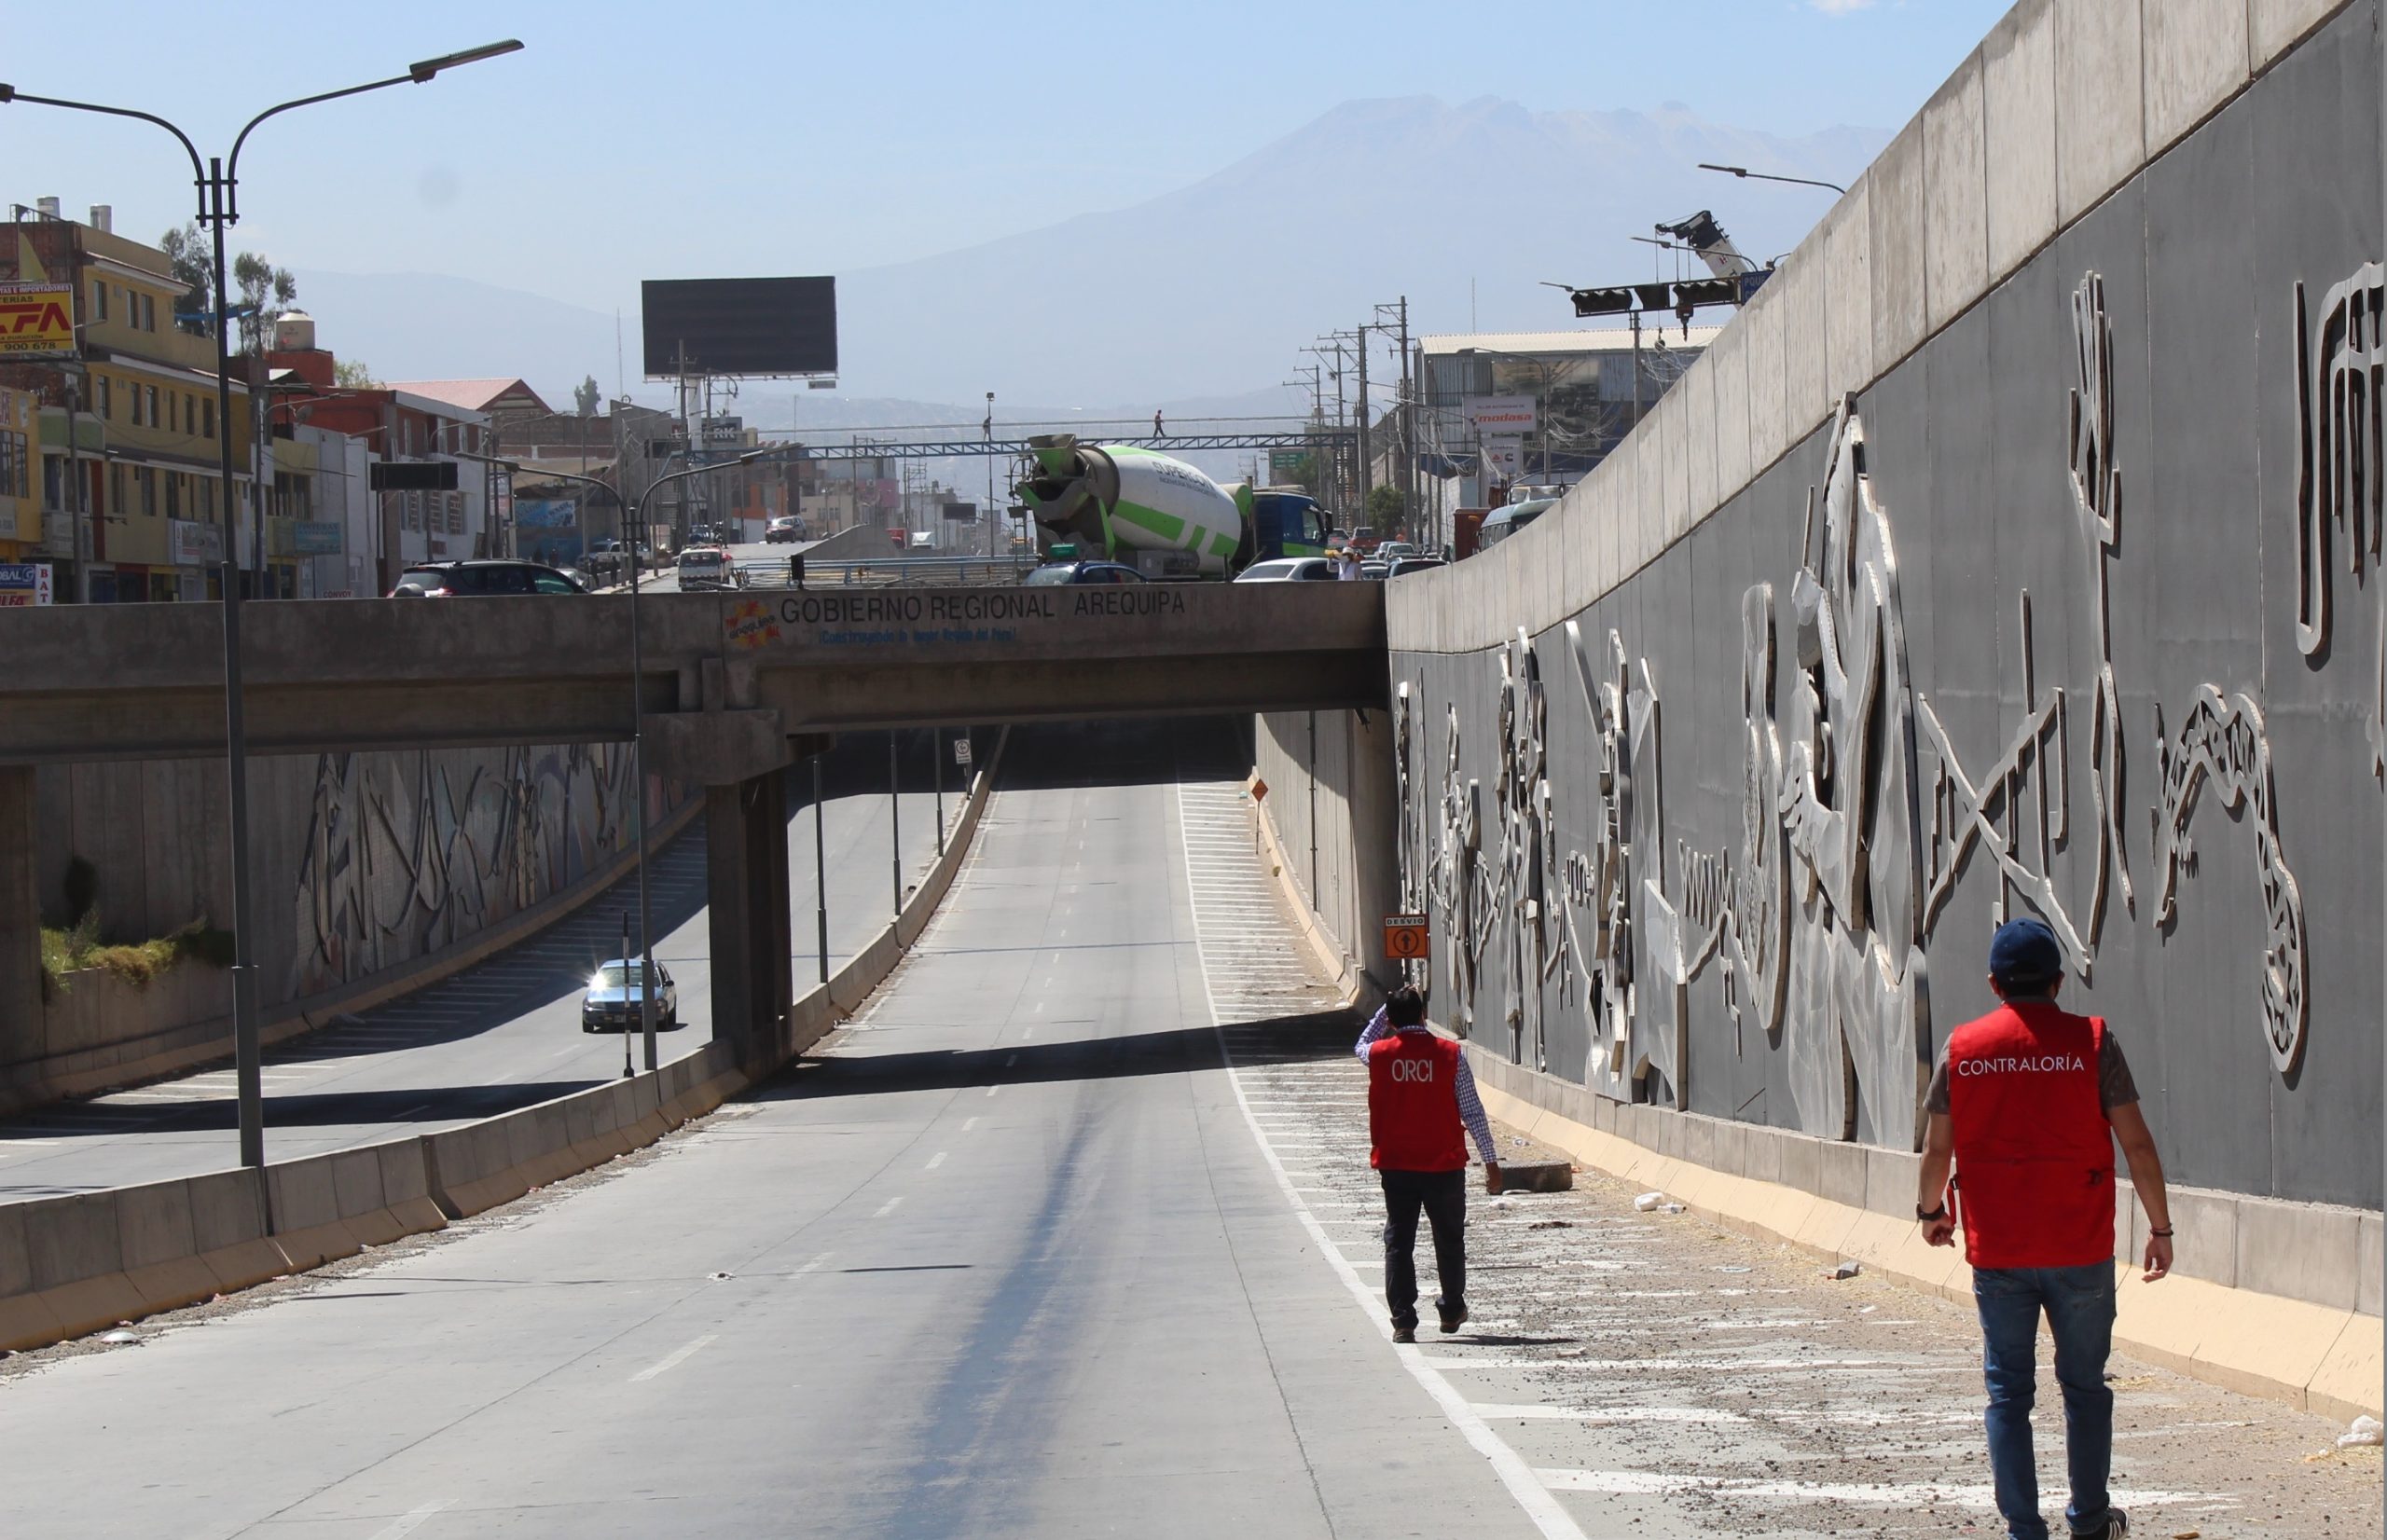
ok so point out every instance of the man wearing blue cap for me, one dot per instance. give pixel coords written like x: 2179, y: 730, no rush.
x: 2028, y: 1102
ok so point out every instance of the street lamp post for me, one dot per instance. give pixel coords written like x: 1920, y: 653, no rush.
x: 638, y: 711
x: 1745, y: 174
x: 218, y: 183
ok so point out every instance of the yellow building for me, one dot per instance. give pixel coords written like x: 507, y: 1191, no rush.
x: 144, y: 503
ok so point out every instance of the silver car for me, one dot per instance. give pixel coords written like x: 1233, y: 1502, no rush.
x: 611, y: 1003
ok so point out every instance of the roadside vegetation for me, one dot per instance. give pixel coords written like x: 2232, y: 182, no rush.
x: 79, y: 945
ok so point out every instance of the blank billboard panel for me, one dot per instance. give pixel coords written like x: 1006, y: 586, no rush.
x: 740, y: 325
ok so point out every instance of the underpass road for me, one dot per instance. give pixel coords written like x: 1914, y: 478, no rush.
x: 502, y: 1034
x: 1006, y: 1258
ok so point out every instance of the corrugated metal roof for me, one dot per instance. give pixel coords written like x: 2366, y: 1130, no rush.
x: 473, y: 395
x: 1590, y: 340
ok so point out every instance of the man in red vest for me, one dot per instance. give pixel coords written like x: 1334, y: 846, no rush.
x: 2028, y: 1101
x: 1421, y: 1107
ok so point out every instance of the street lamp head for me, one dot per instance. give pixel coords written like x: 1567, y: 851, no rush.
x: 1741, y: 172
x: 429, y: 67
x: 8, y: 92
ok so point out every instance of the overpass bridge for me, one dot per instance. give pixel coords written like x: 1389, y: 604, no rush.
x: 729, y: 688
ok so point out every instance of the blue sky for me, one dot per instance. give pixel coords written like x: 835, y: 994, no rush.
x: 733, y: 137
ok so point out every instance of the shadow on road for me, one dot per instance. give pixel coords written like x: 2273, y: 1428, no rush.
x: 1173, y: 1051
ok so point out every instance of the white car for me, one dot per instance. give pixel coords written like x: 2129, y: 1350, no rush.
x: 706, y: 567
x: 1290, y: 569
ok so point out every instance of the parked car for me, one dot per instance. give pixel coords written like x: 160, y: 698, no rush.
x: 706, y: 567
x: 1375, y: 571
x: 1364, y: 540
x: 786, y: 530
x: 1288, y: 570
x: 1052, y: 574
x: 1393, y: 550
x: 492, y: 575
x: 1407, y: 565
x: 612, y: 1002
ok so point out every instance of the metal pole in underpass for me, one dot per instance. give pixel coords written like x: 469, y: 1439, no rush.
x: 895, y: 818
x: 820, y: 870
x: 936, y: 758
x: 626, y: 964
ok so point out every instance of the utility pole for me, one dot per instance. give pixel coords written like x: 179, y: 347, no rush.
x: 1407, y: 430
x: 1366, y: 413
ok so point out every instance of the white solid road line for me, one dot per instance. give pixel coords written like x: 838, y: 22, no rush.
x: 1548, y: 1514
x: 408, y: 1521
x: 673, y: 1359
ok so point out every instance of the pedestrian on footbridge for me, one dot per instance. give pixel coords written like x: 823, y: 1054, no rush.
x: 2028, y: 1102
x: 1421, y: 1107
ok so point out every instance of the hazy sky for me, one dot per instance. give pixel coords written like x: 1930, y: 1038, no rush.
x: 705, y: 139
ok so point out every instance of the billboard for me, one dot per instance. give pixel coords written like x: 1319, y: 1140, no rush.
x: 961, y: 513
x: 739, y: 326
x: 36, y: 320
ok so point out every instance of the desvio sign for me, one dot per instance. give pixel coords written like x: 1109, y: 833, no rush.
x: 37, y: 321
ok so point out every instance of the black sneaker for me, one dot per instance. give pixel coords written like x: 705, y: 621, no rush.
x: 1405, y: 1334
x: 2117, y: 1526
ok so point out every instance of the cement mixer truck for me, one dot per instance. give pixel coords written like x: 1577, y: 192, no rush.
x: 1160, y: 515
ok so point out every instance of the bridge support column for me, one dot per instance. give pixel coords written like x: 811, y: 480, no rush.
x: 752, y: 981
x: 20, y: 1012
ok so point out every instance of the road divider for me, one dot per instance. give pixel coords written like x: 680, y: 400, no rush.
x: 82, y: 1262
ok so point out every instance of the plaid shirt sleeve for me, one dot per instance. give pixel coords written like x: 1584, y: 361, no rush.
x: 1470, y: 1112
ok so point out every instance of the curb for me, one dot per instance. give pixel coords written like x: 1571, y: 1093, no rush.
x: 2321, y: 1359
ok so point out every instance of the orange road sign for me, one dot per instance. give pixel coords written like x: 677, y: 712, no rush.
x: 1406, y: 937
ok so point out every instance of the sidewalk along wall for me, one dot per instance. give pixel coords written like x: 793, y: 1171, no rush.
x: 1999, y: 558
x: 1330, y: 802
x: 80, y: 1263
x: 369, y: 867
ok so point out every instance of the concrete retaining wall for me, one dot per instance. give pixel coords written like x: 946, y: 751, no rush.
x: 1331, y: 810
x: 78, y: 1264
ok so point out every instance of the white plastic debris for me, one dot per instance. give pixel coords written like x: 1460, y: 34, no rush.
x: 2366, y: 1430
x: 1847, y: 1269
x: 1504, y: 1202
x: 1670, y: 1208
x: 120, y: 1337
x: 1648, y: 1201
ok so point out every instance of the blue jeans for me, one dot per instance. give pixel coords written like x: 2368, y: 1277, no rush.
x: 2078, y: 1303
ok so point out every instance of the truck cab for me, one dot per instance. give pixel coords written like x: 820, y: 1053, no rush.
x: 1282, y: 521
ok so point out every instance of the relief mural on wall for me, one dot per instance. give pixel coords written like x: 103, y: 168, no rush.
x: 400, y: 859
x: 1859, y: 815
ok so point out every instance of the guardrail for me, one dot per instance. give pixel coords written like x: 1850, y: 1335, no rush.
x: 893, y: 572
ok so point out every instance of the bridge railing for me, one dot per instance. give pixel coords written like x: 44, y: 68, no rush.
x: 891, y: 571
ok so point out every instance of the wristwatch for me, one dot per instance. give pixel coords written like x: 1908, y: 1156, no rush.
x: 1931, y: 1216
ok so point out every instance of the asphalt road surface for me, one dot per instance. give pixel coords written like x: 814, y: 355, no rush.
x: 1008, y: 1258
x: 503, y: 1033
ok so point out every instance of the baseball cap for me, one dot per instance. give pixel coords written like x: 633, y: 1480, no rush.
x: 2024, y: 953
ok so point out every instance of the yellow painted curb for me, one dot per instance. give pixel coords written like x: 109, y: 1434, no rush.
x: 2329, y: 1361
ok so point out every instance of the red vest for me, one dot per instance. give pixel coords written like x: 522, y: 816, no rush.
x: 1412, y: 1102
x: 2034, y: 1154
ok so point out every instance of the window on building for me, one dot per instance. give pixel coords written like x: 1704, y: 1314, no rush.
x: 116, y: 502
x: 153, y: 405
x: 99, y: 299
x: 134, y: 393
x: 174, y: 494
x: 148, y: 477
x: 148, y: 312
x: 207, y: 420
x: 53, y: 482
x: 100, y: 396
x: 190, y: 413
x: 16, y: 470
x: 455, y: 513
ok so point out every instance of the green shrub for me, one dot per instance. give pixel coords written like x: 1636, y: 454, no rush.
x: 68, y: 951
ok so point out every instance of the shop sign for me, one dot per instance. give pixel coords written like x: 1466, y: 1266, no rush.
x: 318, y: 538
x: 25, y: 585
x: 37, y: 321
x: 192, y: 544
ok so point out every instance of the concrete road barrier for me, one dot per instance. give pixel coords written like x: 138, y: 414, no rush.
x: 80, y: 1263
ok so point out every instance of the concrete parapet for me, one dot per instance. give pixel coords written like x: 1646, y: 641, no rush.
x: 2196, y: 56
x: 1956, y: 214
x: 2275, y: 26
x: 1847, y: 297
x: 2100, y: 101
x: 1894, y: 202
x: 2018, y: 113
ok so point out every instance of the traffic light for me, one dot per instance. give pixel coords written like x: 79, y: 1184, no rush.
x: 1653, y: 296
x: 1601, y: 301
x: 1692, y: 294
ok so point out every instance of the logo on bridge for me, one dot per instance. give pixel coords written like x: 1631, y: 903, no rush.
x: 749, y: 624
